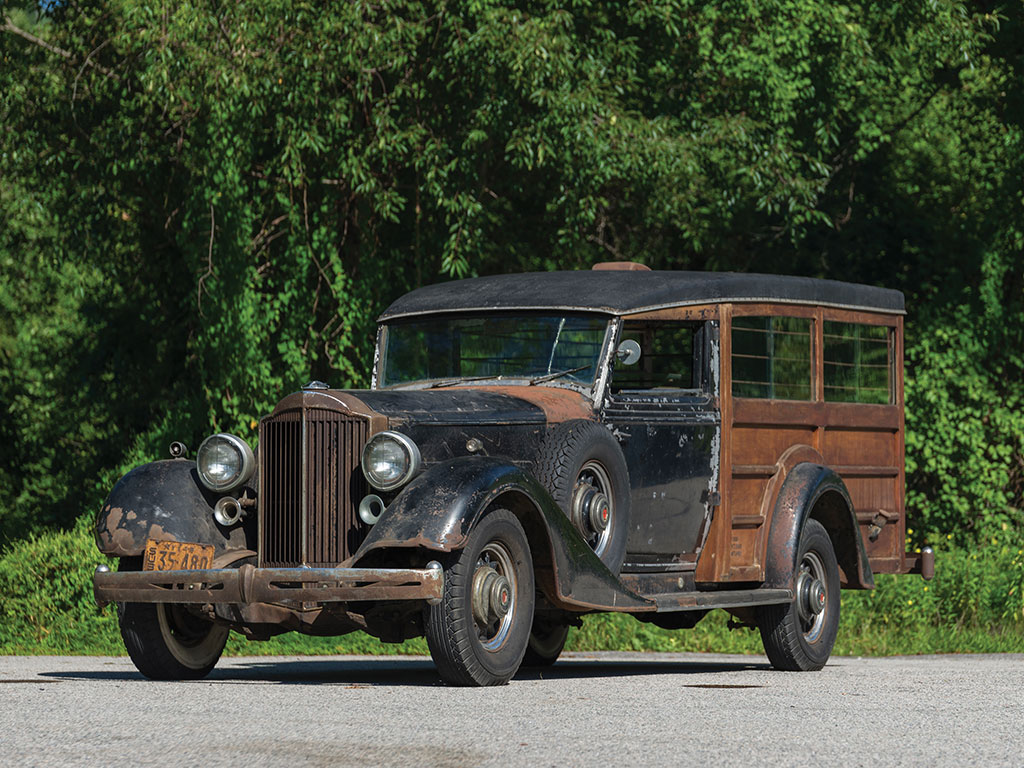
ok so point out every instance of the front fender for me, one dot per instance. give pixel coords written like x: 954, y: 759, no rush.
x: 812, y: 490
x: 438, y: 509
x: 164, y: 501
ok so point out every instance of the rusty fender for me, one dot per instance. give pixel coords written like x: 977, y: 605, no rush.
x: 165, y: 501
x: 812, y: 490
x: 438, y: 509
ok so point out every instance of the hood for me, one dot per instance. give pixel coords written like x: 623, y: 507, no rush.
x: 451, y: 405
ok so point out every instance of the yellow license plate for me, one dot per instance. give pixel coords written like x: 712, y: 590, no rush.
x: 176, y: 556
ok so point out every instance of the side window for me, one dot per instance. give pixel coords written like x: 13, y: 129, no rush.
x: 858, y: 363
x: 668, y: 357
x: 771, y: 358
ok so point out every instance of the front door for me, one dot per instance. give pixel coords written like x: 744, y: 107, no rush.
x: 662, y: 406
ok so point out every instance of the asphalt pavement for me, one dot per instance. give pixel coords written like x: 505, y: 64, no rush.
x: 590, y: 709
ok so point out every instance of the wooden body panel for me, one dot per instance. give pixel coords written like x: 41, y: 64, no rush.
x: 763, y: 439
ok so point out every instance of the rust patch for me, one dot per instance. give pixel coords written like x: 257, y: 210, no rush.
x: 121, y: 532
x: 113, y: 536
x: 558, y: 404
x: 121, y: 542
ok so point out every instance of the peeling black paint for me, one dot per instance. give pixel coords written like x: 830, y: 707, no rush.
x: 165, y: 501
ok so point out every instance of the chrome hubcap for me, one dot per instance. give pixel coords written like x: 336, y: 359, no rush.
x: 494, y: 595
x: 592, y: 507
x: 811, y: 596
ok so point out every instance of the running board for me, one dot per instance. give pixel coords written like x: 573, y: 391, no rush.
x: 733, y: 598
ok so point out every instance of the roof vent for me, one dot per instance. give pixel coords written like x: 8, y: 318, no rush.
x: 627, y: 266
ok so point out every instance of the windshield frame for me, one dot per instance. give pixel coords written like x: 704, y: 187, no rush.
x: 589, y: 389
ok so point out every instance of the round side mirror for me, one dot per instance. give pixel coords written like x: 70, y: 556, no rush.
x: 628, y: 352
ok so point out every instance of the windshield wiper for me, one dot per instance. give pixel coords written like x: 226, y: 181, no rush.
x: 557, y: 374
x: 453, y: 382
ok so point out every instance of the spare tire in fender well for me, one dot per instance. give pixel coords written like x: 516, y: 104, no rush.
x: 581, y: 461
x: 815, y: 491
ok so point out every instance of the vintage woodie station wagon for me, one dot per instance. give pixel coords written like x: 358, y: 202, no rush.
x: 534, y: 448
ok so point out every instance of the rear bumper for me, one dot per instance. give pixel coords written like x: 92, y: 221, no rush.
x: 249, y: 584
x: 922, y: 562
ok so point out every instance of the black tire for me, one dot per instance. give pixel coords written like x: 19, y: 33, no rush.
x: 469, y: 649
x: 547, y: 639
x: 168, y: 642
x: 795, y: 636
x: 579, y: 457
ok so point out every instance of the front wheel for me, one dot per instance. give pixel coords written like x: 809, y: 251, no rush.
x: 799, y: 636
x: 167, y: 642
x: 478, y: 634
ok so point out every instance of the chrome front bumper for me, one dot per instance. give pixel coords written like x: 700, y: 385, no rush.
x: 250, y: 584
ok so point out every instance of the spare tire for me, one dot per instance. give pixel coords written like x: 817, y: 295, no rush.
x: 582, y: 466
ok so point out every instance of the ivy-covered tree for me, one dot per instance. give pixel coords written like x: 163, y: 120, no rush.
x: 204, y: 206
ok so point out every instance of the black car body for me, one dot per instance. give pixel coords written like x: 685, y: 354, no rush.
x: 534, y: 448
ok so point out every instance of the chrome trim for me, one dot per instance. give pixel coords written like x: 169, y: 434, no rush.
x: 605, y: 360
x: 370, y: 508
x: 304, y: 487
x: 248, y: 463
x: 227, y: 511
x: 413, y: 450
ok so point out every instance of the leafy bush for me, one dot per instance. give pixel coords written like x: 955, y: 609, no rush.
x: 48, y: 605
x: 965, y: 412
x: 974, y: 604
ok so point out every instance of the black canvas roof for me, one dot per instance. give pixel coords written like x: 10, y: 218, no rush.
x: 623, y: 292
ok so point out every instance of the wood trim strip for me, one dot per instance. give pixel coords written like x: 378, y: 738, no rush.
x: 788, y: 413
x: 866, y: 471
x: 754, y: 470
x: 699, y: 312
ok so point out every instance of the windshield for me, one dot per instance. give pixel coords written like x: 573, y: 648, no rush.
x: 449, y: 350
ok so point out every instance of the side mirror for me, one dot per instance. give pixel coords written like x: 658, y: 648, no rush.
x: 628, y: 352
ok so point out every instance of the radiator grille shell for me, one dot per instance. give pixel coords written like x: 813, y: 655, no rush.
x: 310, y: 487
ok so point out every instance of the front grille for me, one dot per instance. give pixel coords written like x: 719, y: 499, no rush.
x: 310, y: 487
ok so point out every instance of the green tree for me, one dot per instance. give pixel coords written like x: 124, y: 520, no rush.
x: 205, y: 205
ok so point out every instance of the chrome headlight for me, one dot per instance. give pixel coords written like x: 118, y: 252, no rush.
x: 390, y: 459
x: 224, y: 462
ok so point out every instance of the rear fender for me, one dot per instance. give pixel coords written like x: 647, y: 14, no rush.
x: 812, y: 490
x: 438, y: 509
x: 164, y: 501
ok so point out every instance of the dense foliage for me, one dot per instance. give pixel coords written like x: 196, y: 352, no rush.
x: 205, y: 205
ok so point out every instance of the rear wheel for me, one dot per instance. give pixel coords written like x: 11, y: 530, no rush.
x: 478, y: 634
x: 169, y: 642
x: 547, y: 639
x: 799, y: 636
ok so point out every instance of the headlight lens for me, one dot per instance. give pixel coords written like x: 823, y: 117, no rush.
x: 224, y: 462
x: 390, y: 459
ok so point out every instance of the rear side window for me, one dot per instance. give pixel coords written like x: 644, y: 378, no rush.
x: 771, y: 358
x: 858, y: 363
